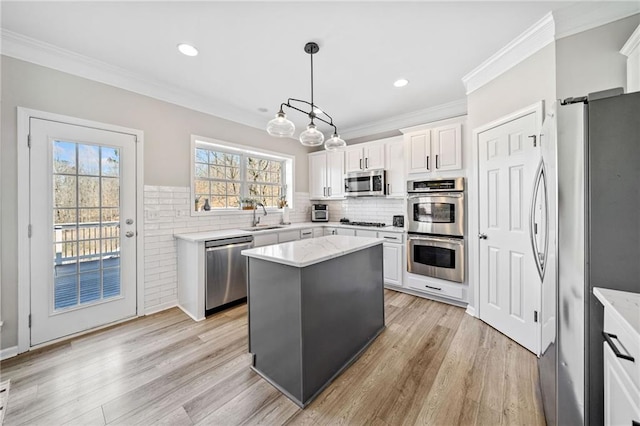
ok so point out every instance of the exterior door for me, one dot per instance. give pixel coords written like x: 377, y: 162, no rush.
x: 82, y: 194
x: 509, y: 281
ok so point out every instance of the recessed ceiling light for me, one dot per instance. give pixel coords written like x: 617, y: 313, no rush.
x: 187, y: 49
x: 263, y: 110
x: 401, y: 82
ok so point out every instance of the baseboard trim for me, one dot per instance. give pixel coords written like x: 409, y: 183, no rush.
x: 162, y: 307
x: 471, y: 311
x: 8, y: 352
x: 188, y: 313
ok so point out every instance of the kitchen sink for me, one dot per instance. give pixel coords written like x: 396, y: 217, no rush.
x: 262, y: 228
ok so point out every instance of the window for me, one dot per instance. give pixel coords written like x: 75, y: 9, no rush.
x: 224, y: 175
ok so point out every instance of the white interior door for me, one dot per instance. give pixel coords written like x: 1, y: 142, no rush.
x: 509, y: 280
x: 82, y: 193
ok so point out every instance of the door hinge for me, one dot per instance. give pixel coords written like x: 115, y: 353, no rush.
x: 29, y: 320
x: 535, y: 316
x: 534, y: 140
x: 29, y: 141
x: 29, y: 231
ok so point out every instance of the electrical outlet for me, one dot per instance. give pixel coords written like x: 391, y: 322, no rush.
x: 152, y: 214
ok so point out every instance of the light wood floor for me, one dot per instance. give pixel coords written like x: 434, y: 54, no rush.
x: 432, y: 365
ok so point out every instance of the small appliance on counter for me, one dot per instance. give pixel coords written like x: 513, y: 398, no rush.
x: 319, y: 213
x: 398, y: 221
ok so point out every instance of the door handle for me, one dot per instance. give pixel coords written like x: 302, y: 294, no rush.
x: 366, y: 163
x: 129, y: 221
x: 361, y: 164
x: 609, y: 338
x: 437, y: 162
x: 329, y: 191
x: 428, y: 162
x: 129, y: 234
x: 482, y: 236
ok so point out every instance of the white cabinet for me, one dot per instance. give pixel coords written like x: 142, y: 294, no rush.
x: 326, y: 174
x: 330, y: 231
x: 366, y: 233
x: 434, y: 149
x: 306, y: 233
x: 285, y: 236
x: 260, y: 240
x: 621, y: 397
x: 368, y: 156
x: 392, y: 257
x: 318, y: 232
x: 394, y: 156
x: 345, y: 231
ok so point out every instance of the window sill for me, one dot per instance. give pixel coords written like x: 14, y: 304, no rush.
x: 229, y: 212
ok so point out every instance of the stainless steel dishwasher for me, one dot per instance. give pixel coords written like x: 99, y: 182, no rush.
x: 226, y: 273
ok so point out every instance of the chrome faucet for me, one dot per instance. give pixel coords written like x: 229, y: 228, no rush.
x: 256, y: 220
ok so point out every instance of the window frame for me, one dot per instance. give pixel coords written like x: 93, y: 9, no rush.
x: 244, y: 151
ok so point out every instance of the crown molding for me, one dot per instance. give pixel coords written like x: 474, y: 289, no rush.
x: 632, y: 43
x: 41, y: 53
x: 427, y: 115
x: 526, y: 44
x: 565, y: 22
x: 586, y: 15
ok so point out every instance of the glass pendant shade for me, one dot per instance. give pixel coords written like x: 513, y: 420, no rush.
x: 334, y: 142
x: 280, y: 126
x: 311, y: 136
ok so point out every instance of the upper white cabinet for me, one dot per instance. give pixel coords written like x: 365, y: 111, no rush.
x: 394, y: 156
x: 364, y: 157
x: 433, y: 149
x: 326, y: 174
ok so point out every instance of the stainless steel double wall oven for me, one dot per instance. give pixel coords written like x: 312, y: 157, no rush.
x: 435, y: 213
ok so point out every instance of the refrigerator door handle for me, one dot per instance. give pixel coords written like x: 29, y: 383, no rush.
x: 539, y: 184
x: 609, y: 338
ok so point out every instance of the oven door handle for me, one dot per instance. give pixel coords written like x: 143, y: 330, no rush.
x: 456, y: 241
x: 434, y: 194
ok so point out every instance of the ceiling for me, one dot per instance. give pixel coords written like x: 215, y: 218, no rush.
x: 252, y: 58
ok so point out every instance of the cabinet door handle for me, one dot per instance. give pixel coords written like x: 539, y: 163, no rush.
x: 366, y: 163
x: 437, y: 162
x: 361, y: 164
x: 427, y: 162
x: 388, y: 188
x: 433, y: 288
x: 329, y: 191
x: 609, y: 338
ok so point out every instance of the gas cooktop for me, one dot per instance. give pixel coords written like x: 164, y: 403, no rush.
x: 375, y: 224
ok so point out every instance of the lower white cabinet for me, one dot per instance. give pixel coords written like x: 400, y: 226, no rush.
x: 286, y: 236
x: 621, y: 397
x: 306, y: 233
x: 318, y: 232
x: 436, y: 287
x: 345, y: 231
x: 261, y: 240
x: 393, y: 263
x: 330, y: 231
x: 366, y: 233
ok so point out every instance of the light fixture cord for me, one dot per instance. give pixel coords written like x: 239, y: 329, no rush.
x: 313, y: 113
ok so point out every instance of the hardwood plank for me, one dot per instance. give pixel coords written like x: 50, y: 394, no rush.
x: 433, y: 364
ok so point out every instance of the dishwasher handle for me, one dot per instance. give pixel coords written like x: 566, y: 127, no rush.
x: 217, y: 244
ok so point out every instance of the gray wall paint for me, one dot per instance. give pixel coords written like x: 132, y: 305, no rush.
x: 529, y: 82
x: 591, y: 61
x: 167, y: 137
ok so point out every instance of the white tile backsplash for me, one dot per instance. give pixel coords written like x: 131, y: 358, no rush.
x: 367, y: 209
x: 167, y: 212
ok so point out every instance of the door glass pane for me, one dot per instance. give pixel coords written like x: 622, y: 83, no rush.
x: 86, y: 223
x: 435, y: 256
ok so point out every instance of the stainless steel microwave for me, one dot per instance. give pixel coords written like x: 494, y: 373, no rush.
x: 365, y: 184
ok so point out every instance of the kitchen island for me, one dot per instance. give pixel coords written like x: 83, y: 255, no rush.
x: 314, y: 306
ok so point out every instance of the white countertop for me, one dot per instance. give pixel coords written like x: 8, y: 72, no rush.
x: 229, y: 233
x: 307, y: 252
x: 625, y: 304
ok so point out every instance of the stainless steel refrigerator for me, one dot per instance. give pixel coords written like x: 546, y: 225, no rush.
x: 594, y: 178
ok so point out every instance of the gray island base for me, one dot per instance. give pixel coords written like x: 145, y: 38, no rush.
x: 314, y: 307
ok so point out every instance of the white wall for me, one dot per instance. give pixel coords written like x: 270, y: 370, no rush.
x: 167, y: 132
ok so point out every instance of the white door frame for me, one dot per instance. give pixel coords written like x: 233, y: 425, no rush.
x: 24, y: 261
x: 474, y: 202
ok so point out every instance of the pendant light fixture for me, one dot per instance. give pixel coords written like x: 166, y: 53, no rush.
x: 282, y: 127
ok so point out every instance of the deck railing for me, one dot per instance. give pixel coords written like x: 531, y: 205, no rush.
x: 75, y: 242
